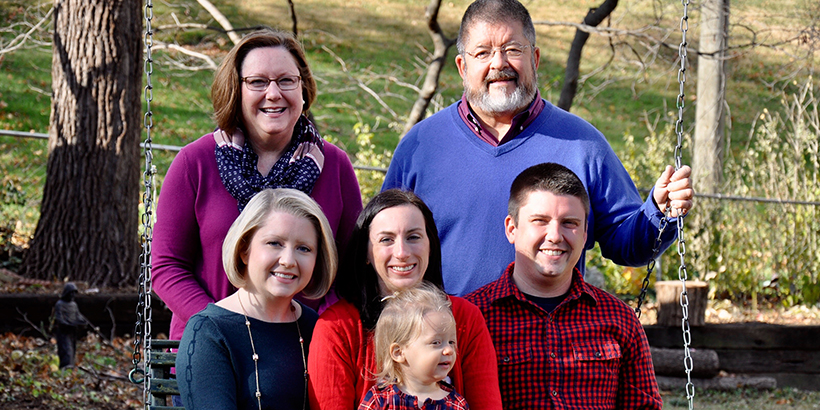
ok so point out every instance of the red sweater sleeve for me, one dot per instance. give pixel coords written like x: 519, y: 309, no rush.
x: 477, y: 380
x: 338, y: 359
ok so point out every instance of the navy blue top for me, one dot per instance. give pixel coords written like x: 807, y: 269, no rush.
x: 215, y: 361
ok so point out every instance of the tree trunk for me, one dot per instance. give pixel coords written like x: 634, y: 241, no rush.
x: 593, y: 19
x: 707, y: 160
x: 669, y: 302
x: 88, y: 225
x: 428, y: 90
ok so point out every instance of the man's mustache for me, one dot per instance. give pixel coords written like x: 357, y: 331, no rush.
x: 502, y: 75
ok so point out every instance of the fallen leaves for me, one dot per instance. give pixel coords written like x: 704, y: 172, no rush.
x: 30, y: 377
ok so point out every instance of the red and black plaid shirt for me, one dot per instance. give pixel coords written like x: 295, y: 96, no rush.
x: 589, y: 353
x: 383, y: 397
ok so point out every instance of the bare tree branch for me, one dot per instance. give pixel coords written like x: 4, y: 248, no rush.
x: 104, y: 376
x: 803, y: 36
x: 361, y: 84
x: 21, y: 39
x: 593, y: 18
x: 40, y: 329
x: 209, y: 63
x: 221, y: 19
x: 378, y: 99
x: 428, y: 90
x: 293, y: 17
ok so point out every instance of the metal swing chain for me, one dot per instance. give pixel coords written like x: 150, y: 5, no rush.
x: 142, y: 328
x: 681, y: 244
x: 656, y: 250
x: 682, y: 273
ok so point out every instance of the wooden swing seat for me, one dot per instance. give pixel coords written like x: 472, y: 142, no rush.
x: 163, y: 383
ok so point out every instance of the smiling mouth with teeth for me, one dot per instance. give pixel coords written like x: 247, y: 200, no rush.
x: 273, y: 110
x: 403, y: 268
x: 552, y: 252
x: 284, y: 275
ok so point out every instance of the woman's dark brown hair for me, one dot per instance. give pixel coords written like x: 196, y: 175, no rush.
x: 357, y: 281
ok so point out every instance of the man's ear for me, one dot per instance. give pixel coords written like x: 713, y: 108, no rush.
x: 396, y: 353
x: 509, y: 229
x: 536, y: 52
x: 460, y: 63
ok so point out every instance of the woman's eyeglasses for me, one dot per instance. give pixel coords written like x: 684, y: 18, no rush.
x: 286, y: 83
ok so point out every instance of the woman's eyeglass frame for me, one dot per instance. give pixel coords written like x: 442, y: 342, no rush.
x: 259, y: 83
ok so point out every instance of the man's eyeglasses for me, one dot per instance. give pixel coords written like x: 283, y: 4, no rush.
x: 286, y: 83
x: 511, y: 51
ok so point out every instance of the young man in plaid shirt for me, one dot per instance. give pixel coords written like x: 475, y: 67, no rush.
x: 560, y: 342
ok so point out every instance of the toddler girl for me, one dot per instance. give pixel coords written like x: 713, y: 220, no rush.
x: 415, y: 348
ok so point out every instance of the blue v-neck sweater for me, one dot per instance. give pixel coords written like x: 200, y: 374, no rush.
x: 466, y: 183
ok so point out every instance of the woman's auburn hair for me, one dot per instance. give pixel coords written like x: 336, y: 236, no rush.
x: 226, y: 89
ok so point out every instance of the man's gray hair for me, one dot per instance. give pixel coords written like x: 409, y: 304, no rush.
x: 495, y: 12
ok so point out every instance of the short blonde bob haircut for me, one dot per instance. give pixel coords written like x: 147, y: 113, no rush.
x: 401, y: 322
x: 256, y: 213
x: 226, y: 91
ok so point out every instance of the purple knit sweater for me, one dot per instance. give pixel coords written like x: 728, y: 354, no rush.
x: 194, y: 212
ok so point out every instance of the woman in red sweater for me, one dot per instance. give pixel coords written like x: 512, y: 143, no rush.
x: 394, y: 246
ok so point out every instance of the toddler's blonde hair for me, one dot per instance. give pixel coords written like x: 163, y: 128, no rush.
x: 401, y: 322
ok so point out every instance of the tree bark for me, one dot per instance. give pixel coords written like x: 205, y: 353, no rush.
x: 707, y: 159
x: 669, y: 302
x: 442, y: 44
x: 593, y: 18
x: 88, y: 225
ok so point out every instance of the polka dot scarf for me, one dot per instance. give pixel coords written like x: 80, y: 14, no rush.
x: 298, y: 167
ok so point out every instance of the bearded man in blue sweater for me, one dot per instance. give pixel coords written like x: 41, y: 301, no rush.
x: 462, y: 160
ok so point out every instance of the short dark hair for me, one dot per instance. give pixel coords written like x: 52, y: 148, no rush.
x: 226, y: 92
x: 494, y: 12
x: 358, y: 282
x: 550, y: 177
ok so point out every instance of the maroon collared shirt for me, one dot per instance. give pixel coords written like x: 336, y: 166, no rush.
x: 519, y: 123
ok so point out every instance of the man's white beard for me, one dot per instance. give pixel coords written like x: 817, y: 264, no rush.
x: 504, y: 103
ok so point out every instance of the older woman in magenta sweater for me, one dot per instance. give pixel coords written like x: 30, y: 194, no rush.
x: 261, y: 94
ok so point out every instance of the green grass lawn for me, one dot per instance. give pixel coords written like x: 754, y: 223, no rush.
x: 383, y: 44
x: 356, y: 46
